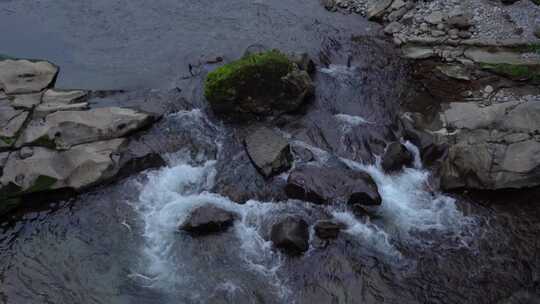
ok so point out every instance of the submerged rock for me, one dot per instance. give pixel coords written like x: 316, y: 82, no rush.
x: 208, y: 219
x: 261, y: 84
x: 268, y: 151
x: 24, y: 76
x: 396, y: 157
x: 326, y: 185
x: 291, y: 235
x: 328, y: 229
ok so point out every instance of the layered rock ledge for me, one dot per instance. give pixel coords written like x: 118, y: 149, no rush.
x: 54, y: 139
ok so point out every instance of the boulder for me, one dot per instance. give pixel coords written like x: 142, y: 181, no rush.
x: 62, y: 130
x: 291, y: 235
x: 44, y: 169
x: 328, y: 229
x: 24, y: 76
x: 260, y: 84
x: 268, y: 151
x: 396, y: 157
x: 327, y: 185
x: 207, y: 219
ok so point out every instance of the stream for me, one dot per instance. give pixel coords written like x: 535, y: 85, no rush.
x: 119, y: 243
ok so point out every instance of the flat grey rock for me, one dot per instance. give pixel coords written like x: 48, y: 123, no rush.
x: 64, y: 129
x: 24, y: 76
x: 77, y: 168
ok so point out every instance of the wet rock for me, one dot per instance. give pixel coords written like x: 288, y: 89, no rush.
x: 291, y: 235
x: 24, y: 76
x: 67, y: 128
x: 80, y: 167
x: 260, y: 84
x: 326, y: 185
x: 207, y: 219
x: 268, y: 151
x: 396, y: 157
x: 328, y: 229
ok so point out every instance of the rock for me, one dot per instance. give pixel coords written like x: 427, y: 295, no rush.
x: 396, y: 157
x: 45, y: 109
x: 437, y: 33
x: 80, y: 167
x: 329, y: 4
x: 417, y: 52
x: 11, y: 122
x: 23, y: 76
x: 268, y: 151
x: 291, y: 235
x: 25, y: 101
x: 455, y: 71
x: 208, y: 219
x: 537, y: 31
x: 328, y: 229
x: 258, y: 85
x: 434, y: 18
x: 64, y: 97
x: 393, y: 28
x: 492, y: 147
x: 64, y: 129
x: 462, y: 22
x: 504, y: 56
x: 376, y: 8
x: 26, y: 152
x: 327, y: 185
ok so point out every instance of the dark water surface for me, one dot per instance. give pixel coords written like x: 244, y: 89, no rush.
x: 119, y: 243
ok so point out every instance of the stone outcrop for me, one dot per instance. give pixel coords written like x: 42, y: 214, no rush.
x: 291, y: 235
x: 268, y: 151
x: 327, y: 185
x: 207, y: 219
x: 492, y: 147
x: 52, y: 140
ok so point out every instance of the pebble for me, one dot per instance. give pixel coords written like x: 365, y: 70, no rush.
x: 488, y: 89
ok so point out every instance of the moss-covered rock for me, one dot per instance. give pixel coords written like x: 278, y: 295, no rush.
x: 259, y: 84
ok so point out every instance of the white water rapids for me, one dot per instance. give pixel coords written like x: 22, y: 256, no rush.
x: 170, y: 193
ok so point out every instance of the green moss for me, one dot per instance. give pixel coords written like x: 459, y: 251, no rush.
x: 42, y: 183
x: 225, y: 83
x: 7, y: 140
x: 521, y: 72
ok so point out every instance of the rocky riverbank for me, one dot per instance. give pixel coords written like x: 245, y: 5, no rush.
x: 62, y: 140
x: 478, y: 65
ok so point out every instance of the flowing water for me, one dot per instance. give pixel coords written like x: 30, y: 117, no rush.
x: 120, y: 243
